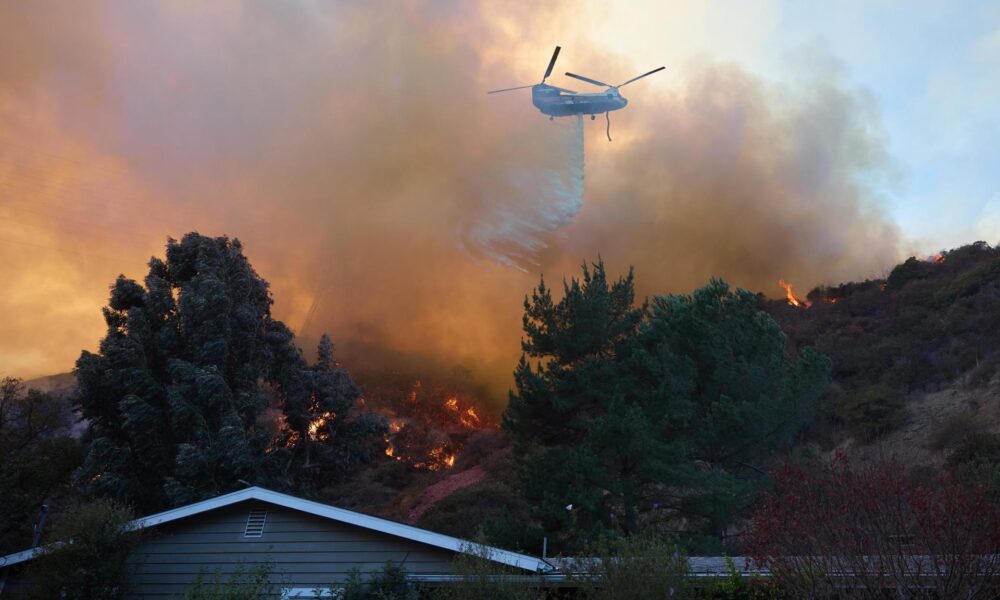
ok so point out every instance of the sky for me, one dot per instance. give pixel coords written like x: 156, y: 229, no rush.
x: 392, y: 203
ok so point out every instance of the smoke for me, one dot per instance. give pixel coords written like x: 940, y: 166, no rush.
x: 385, y: 196
x: 530, y: 201
x: 738, y: 178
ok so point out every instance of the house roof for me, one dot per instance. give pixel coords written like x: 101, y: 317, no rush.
x: 507, y: 557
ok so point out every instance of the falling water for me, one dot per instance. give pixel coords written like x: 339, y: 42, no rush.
x: 532, y: 202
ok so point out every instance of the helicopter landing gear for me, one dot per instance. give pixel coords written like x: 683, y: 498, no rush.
x: 592, y: 117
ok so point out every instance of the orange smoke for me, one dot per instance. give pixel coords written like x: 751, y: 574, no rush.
x: 372, y: 207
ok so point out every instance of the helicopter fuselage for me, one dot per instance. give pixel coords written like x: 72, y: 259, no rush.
x: 555, y: 102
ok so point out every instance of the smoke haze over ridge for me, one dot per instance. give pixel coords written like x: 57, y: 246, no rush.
x: 387, y: 199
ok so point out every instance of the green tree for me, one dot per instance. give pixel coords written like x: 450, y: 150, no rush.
x: 725, y: 391
x: 578, y: 440
x: 37, y: 457
x: 667, y: 409
x: 177, y: 397
x: 89, y: 557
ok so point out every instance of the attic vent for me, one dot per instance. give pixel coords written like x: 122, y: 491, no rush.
x: 255, y: 524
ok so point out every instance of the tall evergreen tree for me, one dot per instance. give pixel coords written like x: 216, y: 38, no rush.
x: 663, y: 409
x: 579, y: 441
x: 177, y: 397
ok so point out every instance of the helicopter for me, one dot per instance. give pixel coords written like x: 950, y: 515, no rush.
x: 560, y: 102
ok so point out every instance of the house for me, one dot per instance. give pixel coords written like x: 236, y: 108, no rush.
x: 309, y: 544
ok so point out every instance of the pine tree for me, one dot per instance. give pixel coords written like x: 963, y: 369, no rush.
x: 665, y: 409
x: 177, y: 397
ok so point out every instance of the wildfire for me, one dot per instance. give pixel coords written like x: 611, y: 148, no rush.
x: 469, y: 418
x: 451, y: 403
x: 440, y: 459
x: 316, y: 425
x: 936, y: 258
x: 395, y: 425
x: 791, y: 297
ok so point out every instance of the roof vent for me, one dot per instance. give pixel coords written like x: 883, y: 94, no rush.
x: 255, y: 524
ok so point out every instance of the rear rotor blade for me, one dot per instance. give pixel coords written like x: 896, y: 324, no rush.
x: 512, y: 89
x: 641, y: 76
x: 552, y: 63
x: 587, y: 79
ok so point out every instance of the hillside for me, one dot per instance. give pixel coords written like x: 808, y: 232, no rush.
x: 914, y: 363
x: 915, y: 356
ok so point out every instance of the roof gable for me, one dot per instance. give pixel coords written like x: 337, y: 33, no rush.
x: 507, y: 557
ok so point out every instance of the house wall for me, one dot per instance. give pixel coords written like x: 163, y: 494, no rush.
x: 305, y: 551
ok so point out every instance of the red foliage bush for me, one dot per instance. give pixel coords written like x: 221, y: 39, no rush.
x: 837, y: 530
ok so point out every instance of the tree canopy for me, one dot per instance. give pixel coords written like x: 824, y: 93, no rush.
x: 37, y: 456
x: 663, y: 409
x: 197, y: 387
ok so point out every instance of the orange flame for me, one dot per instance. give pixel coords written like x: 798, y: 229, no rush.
x: 316, y: 425
x: 469, y: 419
x: 791, y: 297
x: 936, y: 258
x: 451, y: 403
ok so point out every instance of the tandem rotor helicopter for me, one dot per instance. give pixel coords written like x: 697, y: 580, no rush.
x: 560, y: 102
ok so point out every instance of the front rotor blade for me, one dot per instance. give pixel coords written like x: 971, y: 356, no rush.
x: 587, y: 79
x: 641, y: 76
x: 521, y: 87
x: 552, y: 63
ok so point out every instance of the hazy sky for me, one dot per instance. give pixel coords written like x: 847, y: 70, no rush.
x: 389, y: 201
x: 932, y: 70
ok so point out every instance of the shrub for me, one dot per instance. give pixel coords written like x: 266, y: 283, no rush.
x: 387, y: 583
x: 90, y: 560
x: 481, y: 578
x: 736, y: 587
x: 956, y: 430
x: 243, y: 584
x: 640, y: 567
x: 837, y: 530
x: 871, y: 412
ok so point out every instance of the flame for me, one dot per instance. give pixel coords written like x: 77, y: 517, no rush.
x: 395, y: 425
x: 451, y: 403
x: 791, y: 297
x: 316, y: 425
x: 470, y: 419
x: 440, y: 459
x: 936, y: 258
